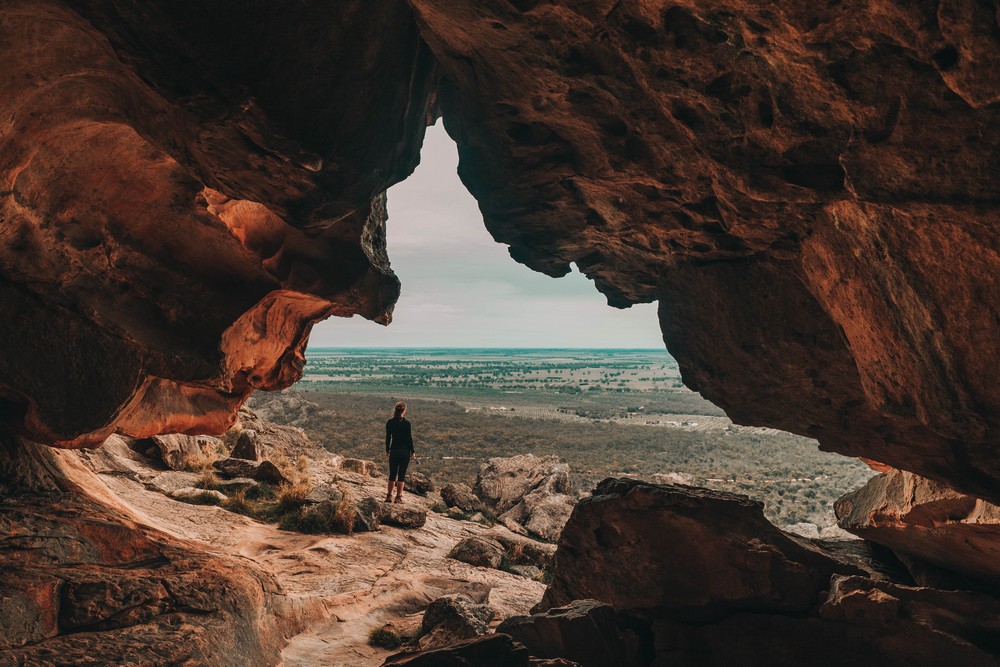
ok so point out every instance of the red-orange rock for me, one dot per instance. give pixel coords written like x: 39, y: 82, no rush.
x: 176, y: 212
x: 808, y: 190
x: 82, y: 583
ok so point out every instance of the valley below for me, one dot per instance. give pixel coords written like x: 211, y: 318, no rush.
x: 607, y: 413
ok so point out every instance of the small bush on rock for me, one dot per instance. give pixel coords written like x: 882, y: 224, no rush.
x: 207, y: 480
x: 240, y: 504
x: 385, y: 637
x: 293, y: 496
x: 205, y: 499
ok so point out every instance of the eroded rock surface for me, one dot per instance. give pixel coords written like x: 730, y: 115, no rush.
x: 502, y: 482
x: 709, y: 582
x: 804, y: 188
x: 928, y: 521
x: 178, y: 208
x: 84, y: 583
x: 527, y: 491
x: 690, y: 553
x: 808, y: 189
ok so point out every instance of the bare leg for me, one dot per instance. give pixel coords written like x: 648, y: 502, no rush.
x: 399, y: 491
x: 388, y: 491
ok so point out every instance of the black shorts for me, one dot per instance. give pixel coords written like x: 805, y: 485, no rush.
x: 398, y: 461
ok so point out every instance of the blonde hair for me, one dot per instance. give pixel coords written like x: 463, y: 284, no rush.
x: 400, y: 410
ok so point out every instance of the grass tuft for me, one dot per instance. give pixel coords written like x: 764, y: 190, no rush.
x: 207, y: 480
x: 293, y: 496
x: 240, y: 504
x: 204, y: 499
x: 384, y: 637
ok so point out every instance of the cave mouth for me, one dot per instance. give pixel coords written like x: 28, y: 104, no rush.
x: 476, y: 329
x: 460, y: 288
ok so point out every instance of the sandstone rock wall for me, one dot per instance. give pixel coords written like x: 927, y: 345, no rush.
x: 86, y: 582
x: 809, y: 191
x: 180, y: 202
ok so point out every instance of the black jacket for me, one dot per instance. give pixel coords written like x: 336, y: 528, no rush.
x: 398, y: 437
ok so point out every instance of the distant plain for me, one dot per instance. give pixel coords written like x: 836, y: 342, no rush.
x: 605, y: 412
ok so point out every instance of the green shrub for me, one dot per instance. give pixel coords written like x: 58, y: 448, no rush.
x: 240, y: 504
x: 263, y: 492
x: 385, y: 637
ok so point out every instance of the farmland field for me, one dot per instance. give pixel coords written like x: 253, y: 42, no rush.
x: 606, y: 412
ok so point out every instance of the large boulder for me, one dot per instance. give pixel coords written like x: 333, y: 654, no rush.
x: 248, y: 446
x: 503, y: 482
x: 461, y: 496
x: 928, y: 521
x: 688, y: 551
x: 584, y: 631
x: 185, y: 452
x: 705, y: 580
x: 404, y: 516
x: 542, y: 514
x: 529, y: 491
x: 478, y: 551
x: 452, y: 618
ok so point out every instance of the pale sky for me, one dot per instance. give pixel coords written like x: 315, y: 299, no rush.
x: 462, y: 289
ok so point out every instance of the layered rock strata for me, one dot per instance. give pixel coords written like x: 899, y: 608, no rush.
x: 927, y: 521
x: 85, y: 583
x: 804, y: 188
x: 179, y: 204
x: 807, y: 190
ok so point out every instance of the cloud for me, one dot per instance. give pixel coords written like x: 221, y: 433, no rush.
x: 462, y: 289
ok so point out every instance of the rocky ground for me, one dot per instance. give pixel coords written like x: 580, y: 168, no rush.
x: 344, y: 586
x: 262, y: 548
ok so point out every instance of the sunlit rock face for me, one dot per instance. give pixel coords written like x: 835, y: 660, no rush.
x: 809, y: 191
x: 185, y: 188
x: 88, y: 581
x: 927, y: 522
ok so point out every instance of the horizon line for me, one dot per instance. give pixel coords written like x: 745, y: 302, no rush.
x: 479, y: 347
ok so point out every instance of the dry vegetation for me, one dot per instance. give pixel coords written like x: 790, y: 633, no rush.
x: 796, y: 481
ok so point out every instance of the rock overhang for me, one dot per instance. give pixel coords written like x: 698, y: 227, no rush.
x: 809, y: 192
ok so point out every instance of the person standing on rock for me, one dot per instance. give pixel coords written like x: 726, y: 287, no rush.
x: 399, y: 449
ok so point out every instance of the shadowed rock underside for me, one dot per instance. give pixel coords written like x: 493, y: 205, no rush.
x: 808, y: 191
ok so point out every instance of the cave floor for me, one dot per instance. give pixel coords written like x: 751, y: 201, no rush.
x: 343, y: 586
